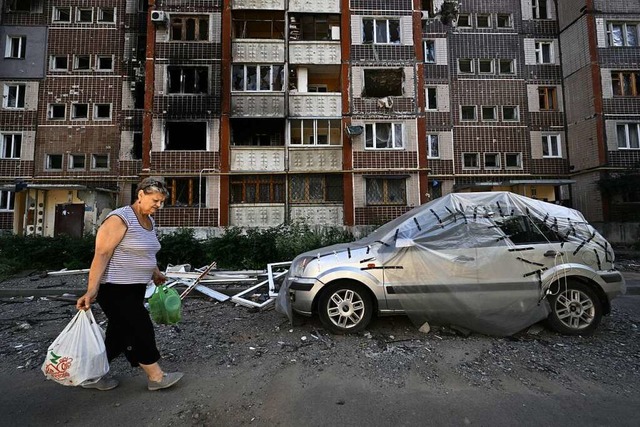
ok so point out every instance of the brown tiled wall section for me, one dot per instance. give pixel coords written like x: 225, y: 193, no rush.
x: 385, y: 160
x: 378, y: 214
x: 6, y: 220
x: 10, y: 169
x: 178, y: 162
x: 186, y: 217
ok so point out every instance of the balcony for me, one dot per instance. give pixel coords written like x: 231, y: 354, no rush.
x: 257, y: 159
x: 330, y: 215
x: 257, y: 104
x: 315, y: 104
x: 258, y: 4
x: 307, y: 159
x: 314, y: 52
x: 252, y: 215
x: 251, y: 51
x: 314, y: 6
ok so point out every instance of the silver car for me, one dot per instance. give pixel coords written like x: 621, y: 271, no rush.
x: 493, y: 263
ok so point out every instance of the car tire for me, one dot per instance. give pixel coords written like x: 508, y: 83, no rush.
x: 345, y: 308
x: 576, y: 308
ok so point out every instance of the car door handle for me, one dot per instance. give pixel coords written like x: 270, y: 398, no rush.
x: 553, y: 254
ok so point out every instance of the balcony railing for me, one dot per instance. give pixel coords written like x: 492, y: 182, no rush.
x: 257, y: 104
x: 304, y: 104
x: 314, y: 6
x: 258, y: 4
x: 314, y: 52
x: 308, y: 159
x: 257, y: 159
x: 261, y: 51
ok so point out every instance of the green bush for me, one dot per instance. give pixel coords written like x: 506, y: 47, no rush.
x: 236, y: 249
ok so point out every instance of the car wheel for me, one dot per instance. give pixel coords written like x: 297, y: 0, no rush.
x: 575, y: 308
x: 345, y: 308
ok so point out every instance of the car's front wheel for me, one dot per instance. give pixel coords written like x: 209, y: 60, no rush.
x: 576, y: 309
x: 345, y: 308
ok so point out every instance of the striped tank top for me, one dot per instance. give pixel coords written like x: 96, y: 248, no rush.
x: 134, y: 259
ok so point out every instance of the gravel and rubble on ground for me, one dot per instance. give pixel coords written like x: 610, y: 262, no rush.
x: 392, y: 351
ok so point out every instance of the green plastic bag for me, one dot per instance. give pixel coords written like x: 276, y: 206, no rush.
x: 165, y: 306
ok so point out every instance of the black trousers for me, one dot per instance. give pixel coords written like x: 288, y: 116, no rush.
x: 129, y: 327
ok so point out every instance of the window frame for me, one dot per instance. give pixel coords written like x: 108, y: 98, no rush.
x: 517, y: 156
x: 432, y: 43
x: 627, y: 131
x: 100, y: 15
x: 75, y: 156
x: 7, y: 201
x: 76, y: 62
x: 486, y: 16
x: 275, y: 186
x: 497, y: 158
x: 79, y: 13
x: 49, y: 160
x: 433, y: 146
x: 102, y: 57
x: 468, y: 24
x: 274, y: 76
x: 372, y: 129
x: 512, y: 67
x: 96, y: 158
x: 198, y: 36
x: 386, y: 191
x: 516, y: 110
x: 493, y: 108
x: 52, y: 107
x: 306, y: 182
x: 509, y: 20
x: 547, y: 145
x: 74, y: 107
x: 96, y: 109
x: 548, y: 98
x: 305, y: 138
x: 55, y: 14
x: 10, y: 46
x: 491, y: 63
x: 475, y: 113
x: 471, y: 63
x: 470, y: 156
x: 427, y: 103
x: 52, y: 62
x: 374, y: 33
x: 619, y: 85
x: 624, y: 33
x: 11, y: 142
x: 196, y: 77
x: 20, y: 96
x: 539, y: 52
x: 538, y: 7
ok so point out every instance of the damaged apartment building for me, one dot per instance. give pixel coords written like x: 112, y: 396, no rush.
x: 332, y: 112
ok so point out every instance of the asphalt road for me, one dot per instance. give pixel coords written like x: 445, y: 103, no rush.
x: 282, y: 392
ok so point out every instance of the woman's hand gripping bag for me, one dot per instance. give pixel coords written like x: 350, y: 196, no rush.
x: 78, y: 354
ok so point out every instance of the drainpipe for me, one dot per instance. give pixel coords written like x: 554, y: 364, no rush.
x: 149, y: 86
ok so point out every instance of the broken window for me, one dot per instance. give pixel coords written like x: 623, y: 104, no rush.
x: 7, y: 200
x: 485, y: 66
x: 506, y: 66
x: 464, y: 20
x: 84, y: 15
x: 53, y: 161
x: 16, y: 47
x: 59, y: 63
x: 104, y: 63
x: 527, y: 229
x: 432, y: 98
x: 136, y: 150
x: 470, y: 161
x: 383, y: 136
x: 102, y: 112
x: 465, y: 66
x: 433, y: 147
x: 427, y: 6
x: 623, y: 33
x: 316, y: 132
x: 540, y: 9
x: 11, y: 146
x: 61, y: 14
x: 513, y: 160
x: 380, y: 31
x: 628, y: 136
x: 268, y: 78
x: 483, y: 21
x: 81, y: 62
x: 257, y: 132
x: 492, y: 160
x: 57, y: 112
x: 190, y: 28
x: 625, y: 83
x: 185, y: 136
x: 489, y: 113
x: 314, y: 27
x: 382, y: 82
x: 76, y: 161
x: 544, y: 52
x: 99, y: 161
x: 468, y: 113
x: 430, y: 51
x: 504, y: 20
x: 14, y: 95
x: 386, y: 191
x: 258, y: 24
x: 315, y: 188
x: 79, y: 111
x: 106, y: 15
x: 510, y: 113
x: 257, y: 189
x: 188, y: 79
x: 547, y: 96
x: 185, y: 192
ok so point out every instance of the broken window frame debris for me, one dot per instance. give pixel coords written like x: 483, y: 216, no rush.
x: 16, y: 47
x: 314, y: 27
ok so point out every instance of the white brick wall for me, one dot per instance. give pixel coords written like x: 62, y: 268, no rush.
x: 536, y: 144
x: 605, y: 77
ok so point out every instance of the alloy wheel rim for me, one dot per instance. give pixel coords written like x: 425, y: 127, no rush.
x: 574, y: 309
x: 345, y: 308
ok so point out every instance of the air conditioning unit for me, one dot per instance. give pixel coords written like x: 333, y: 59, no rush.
x: 157, y: 16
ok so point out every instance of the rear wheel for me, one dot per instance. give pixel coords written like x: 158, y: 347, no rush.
x: 575, y: 308
x: 345, y: 308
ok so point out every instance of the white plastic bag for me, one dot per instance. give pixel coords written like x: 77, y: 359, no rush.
x: 78, y: 354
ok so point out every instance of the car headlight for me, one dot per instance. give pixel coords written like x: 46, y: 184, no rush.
x: 298, y: 267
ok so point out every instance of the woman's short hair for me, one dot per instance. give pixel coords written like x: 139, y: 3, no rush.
x: 153, y: 185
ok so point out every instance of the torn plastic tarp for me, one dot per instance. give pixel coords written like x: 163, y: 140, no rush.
x: 482, y: 261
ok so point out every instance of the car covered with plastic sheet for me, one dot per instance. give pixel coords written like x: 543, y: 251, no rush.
x: 491, y: 262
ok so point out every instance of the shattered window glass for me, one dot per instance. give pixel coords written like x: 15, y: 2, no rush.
x: 383, y: 135
x: 632, y: 35
x: 380, y: 31
x: 430, y: 51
